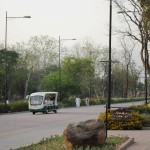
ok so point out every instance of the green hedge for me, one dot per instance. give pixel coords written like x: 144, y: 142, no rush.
x: 4, y: 108
x: 15, y: 106
x: 141, y: 108
x: 122, y: 100
x: 18, y: 106
x: 21, y: 105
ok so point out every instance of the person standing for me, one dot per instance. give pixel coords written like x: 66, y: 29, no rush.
x: 7, y: 102
x: 78, y: 101
x: 87, y: 101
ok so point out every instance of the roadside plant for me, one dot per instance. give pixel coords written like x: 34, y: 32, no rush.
x: 134, y: 122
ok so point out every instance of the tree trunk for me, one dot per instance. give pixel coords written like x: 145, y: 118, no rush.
x: 26, y: 84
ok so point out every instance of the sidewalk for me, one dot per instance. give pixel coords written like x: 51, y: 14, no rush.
x: 141, y: 138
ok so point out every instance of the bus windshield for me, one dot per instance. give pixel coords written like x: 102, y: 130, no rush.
x: 36, y: 100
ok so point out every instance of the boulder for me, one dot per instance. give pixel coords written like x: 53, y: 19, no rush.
x: 85, y: 133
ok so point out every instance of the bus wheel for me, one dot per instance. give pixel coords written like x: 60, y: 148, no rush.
x: 33, y: 113
x: 55, y: 111
x: 46, y: 111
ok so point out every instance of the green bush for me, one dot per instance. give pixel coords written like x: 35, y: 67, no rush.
x: 21, y: 105
x: 122, y: 100
x: 95, y: 101
x: 141, y: 108
x: 146, y: 122
x: 144, y: 110
x: 71, y: 102
x: 17, y: 106
x: 4, y: 108
x: 60, y: 104
x: 68, y: 103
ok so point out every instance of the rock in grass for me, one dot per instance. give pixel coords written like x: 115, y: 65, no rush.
x: 85, y: 133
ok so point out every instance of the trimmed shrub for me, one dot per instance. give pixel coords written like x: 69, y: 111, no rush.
x: 141, y: 108
x: 17, y: 106
x: 146, y: 122
x: 4, y: 109
x: 122, y: 100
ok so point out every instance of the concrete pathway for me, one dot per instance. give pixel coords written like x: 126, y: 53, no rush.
x: 141, y: 138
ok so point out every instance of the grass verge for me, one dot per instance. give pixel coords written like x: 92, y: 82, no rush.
x: 57, y: 143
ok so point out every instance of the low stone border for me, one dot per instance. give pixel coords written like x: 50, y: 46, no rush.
x: 126, y: 144
x: 145, y: 128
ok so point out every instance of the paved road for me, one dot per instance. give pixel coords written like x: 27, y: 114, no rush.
x: 21, y: 129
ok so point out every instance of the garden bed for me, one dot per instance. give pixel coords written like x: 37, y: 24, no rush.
x: 123, y: 119
x: 57, y: 143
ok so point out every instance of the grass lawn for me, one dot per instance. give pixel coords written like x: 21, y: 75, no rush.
x: 57, y: 143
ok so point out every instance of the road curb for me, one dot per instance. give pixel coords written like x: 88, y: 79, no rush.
x: 145, y: 128
x: 126, y: 144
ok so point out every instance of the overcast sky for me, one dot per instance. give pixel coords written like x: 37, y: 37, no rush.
x: 78, y: 19
x: 68, y: 18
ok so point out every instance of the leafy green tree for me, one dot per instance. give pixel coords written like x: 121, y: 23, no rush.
x: 79, y: 71
x: 2, y: 70
x: 8, y: 63
x: 36, y: 59
x: 18, y: 86
x: 75, y: 75
x: 50, y: 82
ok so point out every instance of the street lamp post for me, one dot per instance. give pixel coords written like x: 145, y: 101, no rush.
x: 60, y: 90
x: 109, y: 72
x: 6, y: 83
x: 90, y: 74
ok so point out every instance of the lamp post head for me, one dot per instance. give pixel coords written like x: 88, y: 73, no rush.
x: 65, y: 39
x: 27, y: 17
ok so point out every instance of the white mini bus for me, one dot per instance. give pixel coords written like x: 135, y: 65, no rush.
x: 43, y: 102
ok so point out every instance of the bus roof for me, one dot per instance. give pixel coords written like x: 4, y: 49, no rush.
x: 43, y: 93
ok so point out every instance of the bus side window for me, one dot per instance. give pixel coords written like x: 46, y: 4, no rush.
x: 47, y: 97
x: 53, y: 99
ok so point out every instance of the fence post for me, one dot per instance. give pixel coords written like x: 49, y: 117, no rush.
x: 106, y: 117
